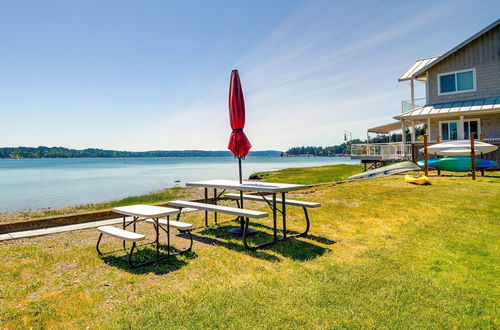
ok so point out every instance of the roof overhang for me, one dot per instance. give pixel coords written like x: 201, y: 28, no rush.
x: 477, y: 107
x: 387, y: 128
x: 419, y: 64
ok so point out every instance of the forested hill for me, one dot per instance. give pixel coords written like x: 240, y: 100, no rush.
x: 342, y: 149
x: 59, y: 152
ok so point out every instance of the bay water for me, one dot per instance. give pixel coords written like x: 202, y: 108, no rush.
x: 50, y: 183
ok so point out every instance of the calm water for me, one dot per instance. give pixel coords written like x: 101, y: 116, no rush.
x: 43, y: 183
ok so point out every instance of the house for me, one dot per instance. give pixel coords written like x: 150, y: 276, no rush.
x: 462, y: 97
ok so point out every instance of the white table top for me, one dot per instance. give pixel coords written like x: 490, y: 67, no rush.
x: 268, y: 187
x: 145, y: 211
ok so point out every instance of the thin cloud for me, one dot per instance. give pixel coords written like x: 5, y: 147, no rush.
x: 306, y: 82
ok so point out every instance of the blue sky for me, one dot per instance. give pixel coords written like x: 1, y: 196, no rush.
x: 148, y: 75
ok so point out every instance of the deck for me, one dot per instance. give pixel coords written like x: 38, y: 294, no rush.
x: 381, y: 151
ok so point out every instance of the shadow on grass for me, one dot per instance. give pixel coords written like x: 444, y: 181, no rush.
x: 293, y: 248
x: 219, y: 236
x: 145, y: 253
x: 465, y: 175
x: 319, y: 239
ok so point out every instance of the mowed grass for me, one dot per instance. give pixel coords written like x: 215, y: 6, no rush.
x: 313, y: 175
x: 381, y: 253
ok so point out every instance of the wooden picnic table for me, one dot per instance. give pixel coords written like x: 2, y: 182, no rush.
x: 258, y: 187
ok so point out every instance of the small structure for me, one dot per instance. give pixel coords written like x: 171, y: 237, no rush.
x: 462, y: 97
x: 380, y: 153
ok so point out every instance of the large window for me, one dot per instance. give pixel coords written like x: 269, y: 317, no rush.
x: 457, y: 82
x: 448, y: 130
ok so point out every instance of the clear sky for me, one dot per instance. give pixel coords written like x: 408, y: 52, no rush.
x: 149, y: 75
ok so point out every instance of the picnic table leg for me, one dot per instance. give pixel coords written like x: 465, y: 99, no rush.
x: 283, y: 212
x: 215, y: 202
x: 244, y: 232
x: 124, y: 247
x: 168, y: 235
x: 157, y: 238
x: 206, y: 202
x: 242, y: 220
x: 275, y: 229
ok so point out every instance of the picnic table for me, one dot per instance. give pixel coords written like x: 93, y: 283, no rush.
x: 144, y: 212
x: 262, y: 189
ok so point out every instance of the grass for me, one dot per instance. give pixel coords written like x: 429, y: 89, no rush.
x: 319, y: 174
x: 381, y: 253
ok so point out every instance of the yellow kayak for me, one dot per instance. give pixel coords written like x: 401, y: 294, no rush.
x: 417, y: 179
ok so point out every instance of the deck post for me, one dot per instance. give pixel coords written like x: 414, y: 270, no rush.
x: 472, y: 156
x: 428, y: 128
x: 403, y: 138
x: 481, y: 138
x: 426, y: 157
x: 461, y: 128
x: 413, y: 132
x: 438, y: 140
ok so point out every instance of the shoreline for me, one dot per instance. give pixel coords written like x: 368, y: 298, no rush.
x: 64, y: 190
x: 159, y: 196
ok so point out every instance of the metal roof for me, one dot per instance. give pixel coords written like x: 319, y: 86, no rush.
x: 419, y: 64
x: 387, y: 128
x: 456, y: 48
x: 462, y: 107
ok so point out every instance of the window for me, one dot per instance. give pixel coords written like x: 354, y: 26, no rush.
x: 448, y: 130
x: 470, y: 126
x: 457, y: 82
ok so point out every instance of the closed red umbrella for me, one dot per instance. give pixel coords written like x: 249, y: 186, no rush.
x: 238, y: 142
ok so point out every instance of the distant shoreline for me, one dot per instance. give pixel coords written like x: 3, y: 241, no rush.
x: 60, y: 152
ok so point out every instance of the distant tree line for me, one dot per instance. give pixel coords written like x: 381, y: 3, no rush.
x: 342, y: 149
x: 59, y: 152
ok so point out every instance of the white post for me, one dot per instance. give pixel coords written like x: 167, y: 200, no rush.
x: 413, y: 132
x: 412, y: 84
x: 403, y: 138
x: 461, y: 128
x: 368, y: 151
x: 429, y: 129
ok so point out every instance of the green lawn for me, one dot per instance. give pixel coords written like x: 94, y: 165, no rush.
x: 312, y: 175
x: 381, y: 253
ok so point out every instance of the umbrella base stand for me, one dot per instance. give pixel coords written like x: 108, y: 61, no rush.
x: 238, y: 231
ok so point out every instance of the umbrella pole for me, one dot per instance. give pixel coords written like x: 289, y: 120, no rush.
x: 239, y: 165
x: 242, y: 221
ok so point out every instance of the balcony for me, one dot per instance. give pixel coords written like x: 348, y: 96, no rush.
x: 381, y: 151
x: 406, y: 104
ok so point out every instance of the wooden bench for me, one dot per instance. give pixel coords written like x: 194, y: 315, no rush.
x: 269, y: 200
x: 121, y: 234
x: 219, y: 209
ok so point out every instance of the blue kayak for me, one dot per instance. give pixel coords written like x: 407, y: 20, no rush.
x: 458, y: 164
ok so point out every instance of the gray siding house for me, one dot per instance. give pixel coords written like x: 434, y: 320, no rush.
x: 462, y: 96
x: 463, y: 90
